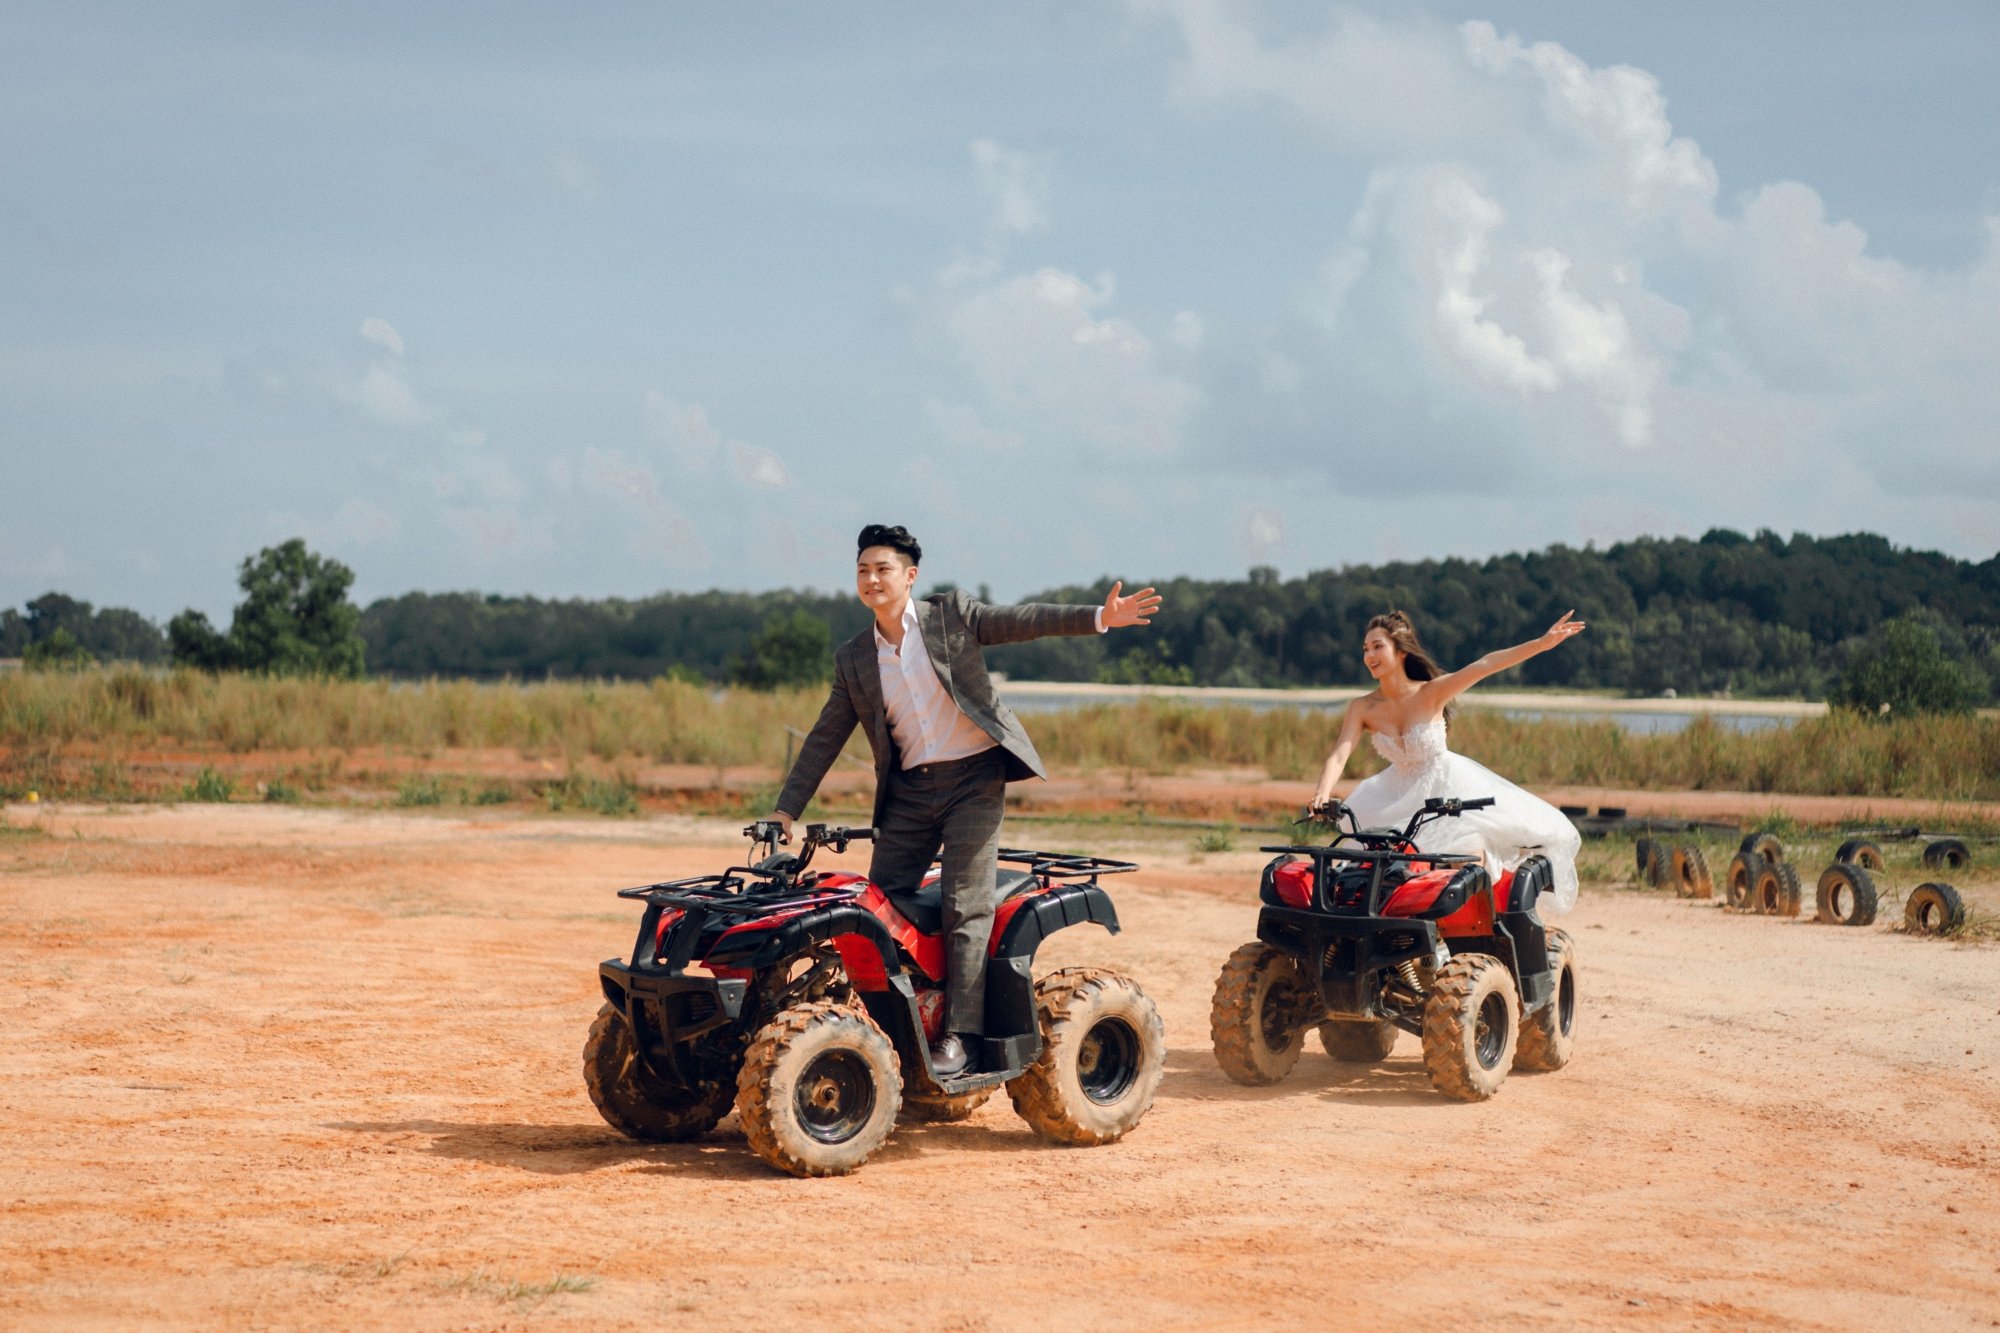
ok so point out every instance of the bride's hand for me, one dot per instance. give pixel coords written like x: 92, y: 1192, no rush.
x: 1562, y: 629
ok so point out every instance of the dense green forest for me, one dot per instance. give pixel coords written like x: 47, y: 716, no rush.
x: 1752, y: 615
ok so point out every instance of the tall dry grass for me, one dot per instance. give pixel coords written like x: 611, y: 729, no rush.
x: 1941, y: 758
x: 665, y: 721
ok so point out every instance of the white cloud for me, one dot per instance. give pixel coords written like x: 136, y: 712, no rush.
x: 1541, y: 267
x: 683, y: 429
x: 382, y: 333
x: 385, y: 395
x: 665, y: 531
x: 759, y: 467
x: 1017, y: 183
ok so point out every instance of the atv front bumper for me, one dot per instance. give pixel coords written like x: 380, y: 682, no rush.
x: 666, y: 1008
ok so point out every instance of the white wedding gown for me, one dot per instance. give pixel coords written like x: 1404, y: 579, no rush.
x: 1516, y: 826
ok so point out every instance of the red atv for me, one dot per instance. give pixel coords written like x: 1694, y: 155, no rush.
x: 808, y: 1001
x: 1367, y: 935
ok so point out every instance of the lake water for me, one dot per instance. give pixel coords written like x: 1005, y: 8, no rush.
x: 1646, y: 723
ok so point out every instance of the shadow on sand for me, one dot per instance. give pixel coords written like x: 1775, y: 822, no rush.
x: 1193, y: 1075
x: 575, y: 1149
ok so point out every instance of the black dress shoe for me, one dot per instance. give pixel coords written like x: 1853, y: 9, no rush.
x: 948, y: 1056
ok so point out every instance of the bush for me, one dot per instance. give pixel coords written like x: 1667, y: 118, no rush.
x: 790, y: 650
x: 59, y: 652
x: 577, y: 792
x: 209, y: 785
x: 1903, y: 668
x: 280, y: 792
x: 420, y: 791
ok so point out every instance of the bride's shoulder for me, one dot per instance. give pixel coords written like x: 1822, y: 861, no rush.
x: 1368, y: 708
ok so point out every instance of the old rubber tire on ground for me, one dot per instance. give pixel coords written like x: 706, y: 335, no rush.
x: 1103, y: 1051
x: 819, y: 1090
x: 1642, y: 860
x: 1357, y: 1042
x: 1777, y: 891
x: 1859, y: 852
x: 1933, y: 909
x: 1740, y: 881
x: 1947, y: 854
x: 634, y: 1101
x: 1765, y: 845
x: 1251, y: 1018
x: 1690, y: 873
x: 1549, y: 1034
x: 1846, y: 896
x: 937, y: 1110
x: 1472, y: 1023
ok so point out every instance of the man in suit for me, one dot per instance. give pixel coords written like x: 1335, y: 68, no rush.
x: 945, y: 747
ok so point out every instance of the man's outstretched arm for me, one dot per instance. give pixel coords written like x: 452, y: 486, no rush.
x: 1035, y: 620
x: 822, y: 746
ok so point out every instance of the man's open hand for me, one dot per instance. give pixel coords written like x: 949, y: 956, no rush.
x: 1137, y: 609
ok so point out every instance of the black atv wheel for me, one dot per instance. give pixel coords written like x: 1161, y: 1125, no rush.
x: 1252, y: 1020
x: 1846, y: 896
x: 1740, y: 882
x: 819, y: 1090
x: 1690, y: 873
x: 1360, y: 1043
x: 1933, y: 909
x: 636, y: 1102
x: 1777, y: 891
x: 1859, y: 852
x: 1103, y: 1052
x: 1549, y: 1034
x: 1765, y: 845
x: 1947, y: 854
x: 1642, y: 860
x: 935, y: 1109
x: 1471, y: 1027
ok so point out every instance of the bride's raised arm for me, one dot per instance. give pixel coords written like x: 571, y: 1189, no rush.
x: 1449, y: 686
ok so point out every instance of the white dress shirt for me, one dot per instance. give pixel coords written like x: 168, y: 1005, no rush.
x: 926, y: 721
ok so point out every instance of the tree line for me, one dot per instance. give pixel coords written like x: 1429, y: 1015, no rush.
x: 1800, y: 616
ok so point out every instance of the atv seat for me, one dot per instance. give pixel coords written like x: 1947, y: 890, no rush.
x: 923, y: 906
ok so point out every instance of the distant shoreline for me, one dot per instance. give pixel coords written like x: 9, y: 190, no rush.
x: 1325, y: 696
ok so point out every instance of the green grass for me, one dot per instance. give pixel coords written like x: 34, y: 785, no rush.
x: 420, y: 791
x: 280, y: 792
x: 580, y: 792
x: 209, y: 785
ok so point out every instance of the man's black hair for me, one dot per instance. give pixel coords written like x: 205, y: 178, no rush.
x: 895, y: 538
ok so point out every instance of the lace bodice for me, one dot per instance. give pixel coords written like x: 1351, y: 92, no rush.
x: 1419, y: 747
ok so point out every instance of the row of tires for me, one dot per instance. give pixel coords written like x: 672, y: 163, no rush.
x: 1759, y: 880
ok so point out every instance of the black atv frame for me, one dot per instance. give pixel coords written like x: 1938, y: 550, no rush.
x: 688, y: 1027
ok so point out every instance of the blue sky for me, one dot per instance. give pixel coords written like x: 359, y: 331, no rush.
x: 632, y: 297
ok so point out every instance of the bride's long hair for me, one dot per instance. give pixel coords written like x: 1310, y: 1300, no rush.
x: 1418, y: 664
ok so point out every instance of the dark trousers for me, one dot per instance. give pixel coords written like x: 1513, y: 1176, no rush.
x: 954, y: 807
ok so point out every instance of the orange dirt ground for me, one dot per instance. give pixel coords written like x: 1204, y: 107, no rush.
x: 282, y: 1068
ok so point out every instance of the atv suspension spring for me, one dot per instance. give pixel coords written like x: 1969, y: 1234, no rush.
x: 1407, y: 971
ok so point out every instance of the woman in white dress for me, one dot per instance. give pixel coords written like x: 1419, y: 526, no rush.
x: 1407, y: 715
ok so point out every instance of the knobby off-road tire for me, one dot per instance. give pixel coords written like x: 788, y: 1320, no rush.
x: 819, y: 1090
x: 1643, y: 852
x: 1472, y: 1024
x: 1846, y: 896
x: 1357, y: 1043
x: 1740, y: 881
x: 1765, y: 845
x: 1103, y: 1051
x: 1253, y: 996
x: 1777, y: 889
x: 936, y: 1110
x: 1549, y: 1034
x: 1690, y: 873
x: 1933, y: 909
x: 1947, y: 854
x: 1859, y: 852
x: 635, y: 1102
